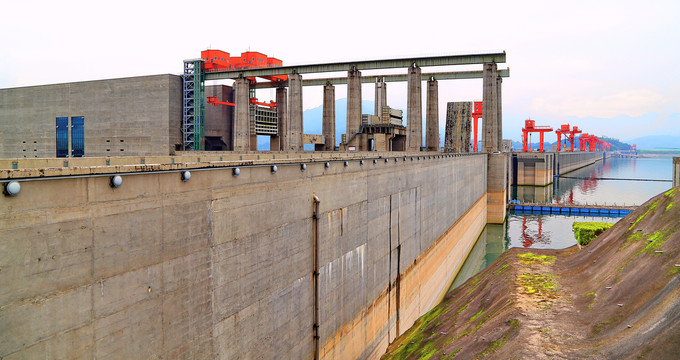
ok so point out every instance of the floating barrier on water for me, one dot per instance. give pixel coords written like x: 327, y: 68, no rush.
x: 564, y: 209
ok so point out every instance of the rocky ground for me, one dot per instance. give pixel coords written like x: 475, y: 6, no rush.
x: 616, y: 298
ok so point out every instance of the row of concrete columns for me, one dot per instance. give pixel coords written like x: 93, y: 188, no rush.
x: 290, y: 112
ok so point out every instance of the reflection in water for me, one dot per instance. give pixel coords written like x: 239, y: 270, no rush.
x: 529, y: 237
x: 587, y: 189
x: 490, y: 245
x: 554, y: 231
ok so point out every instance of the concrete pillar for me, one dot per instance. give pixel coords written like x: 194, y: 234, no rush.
x: 294, y: 134
x: 432, y: 116
x: 253, y: 136
x: 380, y: 96
x: 496, y: 187
x: 241, y: 139
x: 499, y: 111
x: 328, y: 123
x: 414, y: 111
x: 490, y: 113
x: 278, y: 142
x: 353, y: 103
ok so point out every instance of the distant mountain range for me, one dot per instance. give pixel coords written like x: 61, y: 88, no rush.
x: 313, y: 122
x: 656, y: 142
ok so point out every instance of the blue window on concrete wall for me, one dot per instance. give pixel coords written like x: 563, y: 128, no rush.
x: 62, y: 137
x: 77, y: 136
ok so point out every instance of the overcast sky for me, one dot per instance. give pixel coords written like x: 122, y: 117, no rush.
x: 610, y: 67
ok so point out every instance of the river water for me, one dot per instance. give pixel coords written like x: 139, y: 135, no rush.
x: 552, y: 231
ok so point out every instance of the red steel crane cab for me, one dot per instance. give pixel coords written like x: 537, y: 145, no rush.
x: 529, y: 127
x: 218, y: 60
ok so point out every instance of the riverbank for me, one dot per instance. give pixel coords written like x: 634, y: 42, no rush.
x: 618, y: 297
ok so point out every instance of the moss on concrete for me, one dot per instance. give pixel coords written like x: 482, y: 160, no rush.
x: 651, y: 207
x: 530, y: 259
x: 585, y: 232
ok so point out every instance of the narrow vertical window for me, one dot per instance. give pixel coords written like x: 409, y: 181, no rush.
x: 78, y: 136
x: 62, y: 137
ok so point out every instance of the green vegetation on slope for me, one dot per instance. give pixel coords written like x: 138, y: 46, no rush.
x: 585, y: 232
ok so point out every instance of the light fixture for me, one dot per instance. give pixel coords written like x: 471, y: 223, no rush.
x: 327, y: 165
x: 116, y: 181
x: 186, y: 176
x: 303, y: 167
x: 12, y: 188
x: 235, y: 171
x: 274, y: 169
x: 346, y: 163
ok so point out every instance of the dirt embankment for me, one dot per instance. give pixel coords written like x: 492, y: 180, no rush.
x: 617, y: 298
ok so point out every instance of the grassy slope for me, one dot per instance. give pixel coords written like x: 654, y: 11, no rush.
x: 618, y: 297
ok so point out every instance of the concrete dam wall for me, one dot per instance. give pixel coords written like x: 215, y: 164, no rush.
x: 223, y: 266
x: 538, y: 169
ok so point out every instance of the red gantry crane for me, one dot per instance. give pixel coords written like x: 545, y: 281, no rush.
x: 572, y: 137
x: 216, y: 60
x: 477, y: 112
x: 563, y: 130
x: 529, y: 127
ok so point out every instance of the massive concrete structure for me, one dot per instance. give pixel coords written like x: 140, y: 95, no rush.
x: 129, y: 116
x: 414, y: 110
x: 432, y: 116
x: 539, y: 169
x: 458, y: 127
x: 222, y: 266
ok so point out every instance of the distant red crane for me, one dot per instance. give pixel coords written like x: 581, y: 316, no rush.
x: 476, y: 114
x: 563, y: 130
x: 572, y: 135
x: 529, y: 127
x: 588, y: 141
x: 213, y: 100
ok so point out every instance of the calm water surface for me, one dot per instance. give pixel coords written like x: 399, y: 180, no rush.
x: 552, y: 231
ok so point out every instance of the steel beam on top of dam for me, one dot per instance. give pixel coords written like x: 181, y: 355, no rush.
x: 444, y: 60
x: 450, y: 75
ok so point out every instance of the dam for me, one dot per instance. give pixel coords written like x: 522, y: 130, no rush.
x: 123, y: 237
x: 247, y: 258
